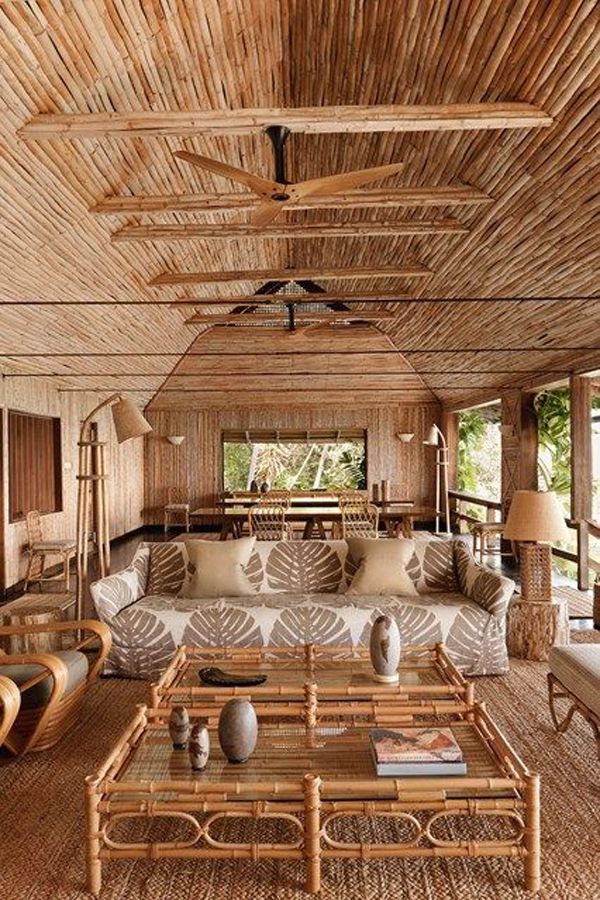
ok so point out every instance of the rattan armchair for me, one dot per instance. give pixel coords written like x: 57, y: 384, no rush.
x: 275, y: 498
x: 359, y: 519
x: 52, y: 686
x: 10, y: 700
x: 268, y: 523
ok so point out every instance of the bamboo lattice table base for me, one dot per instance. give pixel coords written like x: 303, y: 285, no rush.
x: 311, y: 782
x: 311, y: 681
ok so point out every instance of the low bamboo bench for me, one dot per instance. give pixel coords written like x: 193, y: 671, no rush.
x: 575, y: 676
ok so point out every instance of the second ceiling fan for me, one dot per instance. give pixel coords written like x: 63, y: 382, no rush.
x: 277, y: 195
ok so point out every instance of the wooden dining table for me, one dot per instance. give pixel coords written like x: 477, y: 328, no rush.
x: 398, y: 518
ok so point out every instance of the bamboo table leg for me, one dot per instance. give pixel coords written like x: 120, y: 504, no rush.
x: 312, y: 833
x: 94, y: 866
x: 532, y: 833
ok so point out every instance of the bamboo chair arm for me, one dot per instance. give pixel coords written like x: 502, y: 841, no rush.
x: 99, y: 630
x: 10, y: 697
x: 57, y: 670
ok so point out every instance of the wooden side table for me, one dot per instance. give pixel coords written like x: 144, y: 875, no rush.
x: 534, y: 626
x: 36, y: 609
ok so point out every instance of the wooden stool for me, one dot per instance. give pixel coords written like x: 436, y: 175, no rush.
x: 484, y: 531
x: 536, y: 626
x: 36, y: 609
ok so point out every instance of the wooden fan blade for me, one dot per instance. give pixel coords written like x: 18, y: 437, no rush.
x: 260, y: 186
x: 345, y: 181
x: 266, y: 212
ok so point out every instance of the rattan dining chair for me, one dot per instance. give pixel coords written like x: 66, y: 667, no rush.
x: 276, y: 498
x: 52, y: 686
x: 38, y: 550
x: 360, y: 519
x: 268, y: 523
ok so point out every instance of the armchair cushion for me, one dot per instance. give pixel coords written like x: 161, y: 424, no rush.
x: 38, y: 695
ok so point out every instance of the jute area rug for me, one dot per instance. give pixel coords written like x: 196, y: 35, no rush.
x: 42, y: 825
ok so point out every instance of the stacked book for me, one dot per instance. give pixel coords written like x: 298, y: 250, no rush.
x: 416, y: 751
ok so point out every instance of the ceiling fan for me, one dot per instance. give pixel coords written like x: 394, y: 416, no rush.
x: 278, y: 194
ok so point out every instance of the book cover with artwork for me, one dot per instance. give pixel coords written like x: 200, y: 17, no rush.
x: 416, y: 751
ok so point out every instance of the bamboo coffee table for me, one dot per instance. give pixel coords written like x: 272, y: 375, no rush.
x: 310, y: 778
x: 311, y: 681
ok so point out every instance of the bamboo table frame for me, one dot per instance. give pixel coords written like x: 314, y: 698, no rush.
x: 308, y: 778
x: 310, y: 681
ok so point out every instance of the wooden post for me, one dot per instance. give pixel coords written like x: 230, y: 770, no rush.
x: 94, y: 866
x: 312, y: 833
x: 532, y: 832
x: 581, y: 470
x: 450, y: 428
x: 519, y: 448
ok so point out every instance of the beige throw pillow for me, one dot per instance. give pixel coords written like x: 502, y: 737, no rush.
x: 219, y: 568
x: 381, y: 566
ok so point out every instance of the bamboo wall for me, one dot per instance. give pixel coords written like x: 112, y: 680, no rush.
x: 125, y: 486
x: 197, y: 463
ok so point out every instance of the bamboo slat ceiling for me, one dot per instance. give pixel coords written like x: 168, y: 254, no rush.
x: 537, y: 237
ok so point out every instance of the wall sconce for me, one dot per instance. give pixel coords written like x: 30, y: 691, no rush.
x: 176, y: 439
x: 405, y: 436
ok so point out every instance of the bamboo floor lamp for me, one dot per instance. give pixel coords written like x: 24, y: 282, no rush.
x: 436, y: 439
x: 92, y: 500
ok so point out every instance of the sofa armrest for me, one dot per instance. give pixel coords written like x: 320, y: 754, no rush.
x: 483, y: 586
x: 118, y: 591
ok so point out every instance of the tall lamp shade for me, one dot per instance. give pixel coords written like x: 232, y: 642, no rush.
x: 535, y: 520
x: 128, y: 420
x: 535, y: 516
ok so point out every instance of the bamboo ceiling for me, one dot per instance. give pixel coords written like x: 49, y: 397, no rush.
x: 537, y: 237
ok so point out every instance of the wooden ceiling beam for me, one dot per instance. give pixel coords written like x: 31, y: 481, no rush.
x: 411, y: 270
x: 287, y: 230
x: 370, y: 315
x: 253, y: 299
x: 313, y: 119
x: 445, y: 195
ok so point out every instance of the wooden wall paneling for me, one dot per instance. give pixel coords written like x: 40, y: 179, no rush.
x: 197, y: 462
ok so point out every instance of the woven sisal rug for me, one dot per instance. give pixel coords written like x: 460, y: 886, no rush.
x: 41, y: 821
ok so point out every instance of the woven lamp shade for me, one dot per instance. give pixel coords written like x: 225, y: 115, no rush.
x: 128, y: 420
x: 535, y: 516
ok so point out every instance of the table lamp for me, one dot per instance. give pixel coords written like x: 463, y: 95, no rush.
x: 535, y: 520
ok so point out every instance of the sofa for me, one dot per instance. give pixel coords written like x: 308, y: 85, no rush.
x: 298, y: 595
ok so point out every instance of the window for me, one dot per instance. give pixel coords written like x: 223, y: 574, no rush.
x: 479, y: 452
x: 34, y: 465
x: 294, y: 460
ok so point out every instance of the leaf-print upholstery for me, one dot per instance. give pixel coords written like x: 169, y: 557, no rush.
x: 304, y: 566
x: 168, y: 567
x: 298, y: 596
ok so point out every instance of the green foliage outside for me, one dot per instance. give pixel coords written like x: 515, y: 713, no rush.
x: 294, y: 465
x: 553, y: 410
x: 479, y: 466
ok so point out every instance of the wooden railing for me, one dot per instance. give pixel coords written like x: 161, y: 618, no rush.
x: 461, y: 518
x: 459, y: 504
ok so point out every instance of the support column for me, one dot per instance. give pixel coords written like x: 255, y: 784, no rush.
x: 581, y: 470
x: 519, y: 446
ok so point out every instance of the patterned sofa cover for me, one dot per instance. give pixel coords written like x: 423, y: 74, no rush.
x: 299, y: 596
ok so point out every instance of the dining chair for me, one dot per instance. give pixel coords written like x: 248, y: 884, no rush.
x: 360, y: 519
x: 268, y: 523
x: 38, y: 549
x: 52, y: 686
x: 177, y: 508
x: 278, y: 498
